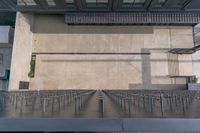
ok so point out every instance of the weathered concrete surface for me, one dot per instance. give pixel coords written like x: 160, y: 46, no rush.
x: 185, y: 65
x: 196, y: 64
x: 181, y: 37
x: 58, y: 71
x: 86, y: 72
x: 22, y: 50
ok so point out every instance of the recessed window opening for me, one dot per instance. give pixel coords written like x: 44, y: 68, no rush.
x: 26, y: 3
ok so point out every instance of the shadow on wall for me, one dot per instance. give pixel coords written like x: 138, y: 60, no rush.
x: 147, y: 76
x: 158, y: 86
x: 56, y: 24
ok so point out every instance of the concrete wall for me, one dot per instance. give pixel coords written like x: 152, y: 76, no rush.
x: 22, y: 50
x: 86, y: 72
x: 58, y: 71
x: 196, y: 64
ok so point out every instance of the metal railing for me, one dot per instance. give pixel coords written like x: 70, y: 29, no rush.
x: 157, y: 103
x: 78, y: 103
x: 44, y: 101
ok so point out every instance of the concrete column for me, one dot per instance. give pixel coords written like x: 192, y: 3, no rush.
x: 22, y: 49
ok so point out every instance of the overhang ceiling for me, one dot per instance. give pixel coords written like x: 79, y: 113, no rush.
x: 61, y: 6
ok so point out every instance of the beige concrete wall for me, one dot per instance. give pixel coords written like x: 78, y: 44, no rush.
x: 181, y: 37
x: 173, y: 68
x: 196, y: 64
x: 51, y: 34
x: 58, y: 71
x: 185, y: 65
x: 22, y: 50
x: 86, y: 72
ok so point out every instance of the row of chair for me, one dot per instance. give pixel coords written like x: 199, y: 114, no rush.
x: 44, y: 101
x: 156, y: 103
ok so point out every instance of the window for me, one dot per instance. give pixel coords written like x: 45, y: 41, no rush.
x: 97, y: 3
x: 139, y: 1
x: 51, y: 3
x: 130, y: 3
x: 134, y: 1
x: 69, y: 1
x: 26, y: 2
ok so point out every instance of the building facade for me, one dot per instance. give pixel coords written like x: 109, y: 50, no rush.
x: 104, y: 44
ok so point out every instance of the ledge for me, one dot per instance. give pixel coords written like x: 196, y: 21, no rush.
x: 100, y: 125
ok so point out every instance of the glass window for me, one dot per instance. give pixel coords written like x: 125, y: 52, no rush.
x: 21, y: 3
x: 97, y: 3
x: 26, y: 2
x: 69, y: 1
x: 134, y: 1
x: 139, y: 1
x: 130, y: 3
x: 51, y: 3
